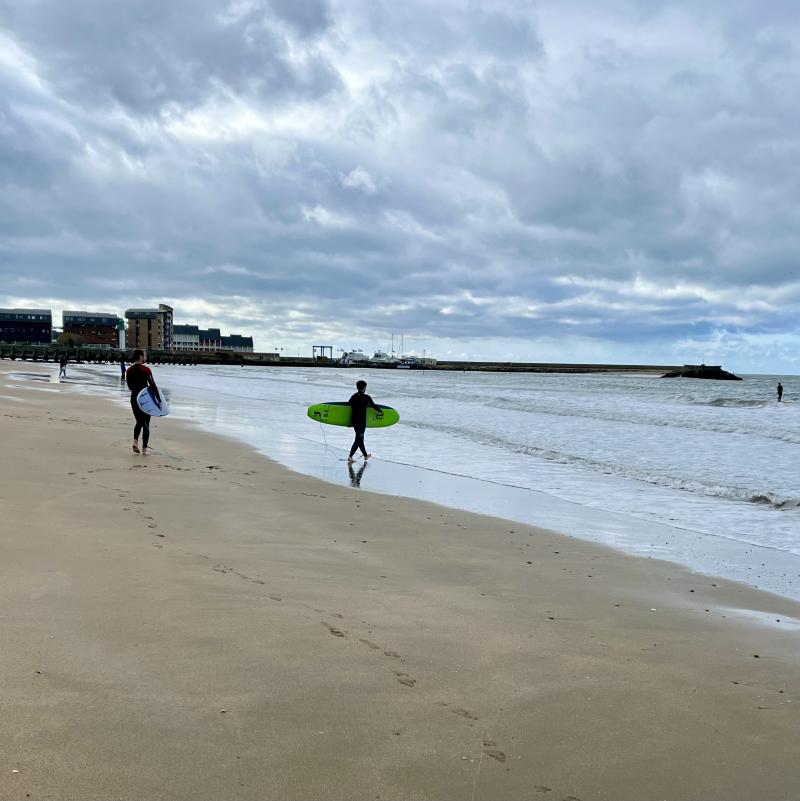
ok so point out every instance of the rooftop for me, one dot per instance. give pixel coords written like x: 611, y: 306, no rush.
x: 66, y: 314
x: 26, y: 311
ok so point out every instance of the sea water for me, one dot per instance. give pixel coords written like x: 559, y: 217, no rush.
x: 705, y: 473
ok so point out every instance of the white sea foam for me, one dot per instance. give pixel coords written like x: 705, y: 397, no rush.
x: 705, y: 458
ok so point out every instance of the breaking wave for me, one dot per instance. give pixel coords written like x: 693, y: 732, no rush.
x: 740, y: 494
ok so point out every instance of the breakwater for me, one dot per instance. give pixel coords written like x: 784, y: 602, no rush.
x: 44, y: 353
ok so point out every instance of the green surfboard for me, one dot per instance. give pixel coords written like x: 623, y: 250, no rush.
x: 339, y: 414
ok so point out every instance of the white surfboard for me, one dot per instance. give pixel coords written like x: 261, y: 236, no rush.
x: 149, y: 405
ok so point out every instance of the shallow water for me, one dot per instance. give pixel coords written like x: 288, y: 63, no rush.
x: 701, y: 472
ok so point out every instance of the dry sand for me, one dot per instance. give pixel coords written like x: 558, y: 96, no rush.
x: 204, y: 624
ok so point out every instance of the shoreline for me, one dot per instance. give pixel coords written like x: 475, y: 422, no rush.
x: 738, y: 559
x: 41, y: 353
x: 208, y: 624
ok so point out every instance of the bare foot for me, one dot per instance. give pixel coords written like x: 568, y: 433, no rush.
x: 144, y: 451
x: 367, y: 456
x: 135, y: 447
x: 350, y: 460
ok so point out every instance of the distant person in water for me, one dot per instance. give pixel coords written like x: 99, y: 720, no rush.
x: 62, y: 367
x: 780, y: 391
x: 359, y: 404
x: 138, y: 377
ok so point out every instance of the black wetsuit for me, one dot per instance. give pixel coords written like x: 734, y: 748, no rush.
x: 780, y: 392
x: 138, y: 377
x: 359, y: 404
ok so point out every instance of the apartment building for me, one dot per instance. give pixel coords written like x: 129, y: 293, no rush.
x: 192, y: 337
x: 31, y: 326
x: 150, y: 329
x: 94, y: 328
x: 237, y: 343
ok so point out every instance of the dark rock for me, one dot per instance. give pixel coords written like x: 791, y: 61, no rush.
x: 702, y: 371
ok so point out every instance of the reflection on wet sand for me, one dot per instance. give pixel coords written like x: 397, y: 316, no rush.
x: 355, y: 475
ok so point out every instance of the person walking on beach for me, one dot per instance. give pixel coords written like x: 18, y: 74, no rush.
x: 139, y: 376
x: 359, y: 402
x: 780, y: 391
x: 122, y: 368
x: 62, y: 367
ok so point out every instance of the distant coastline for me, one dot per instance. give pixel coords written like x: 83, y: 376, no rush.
x: 112, y: 355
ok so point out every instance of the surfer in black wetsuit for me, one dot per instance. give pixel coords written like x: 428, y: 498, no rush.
x: 780, y: 391
x: 139, y: 376
x: 359, y: 404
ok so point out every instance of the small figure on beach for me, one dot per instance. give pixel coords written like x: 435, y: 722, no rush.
x: 359, y: 402
x: 780, y: 391
x: 122, y: 369
x: 139, y: 376
x: 62, y: 367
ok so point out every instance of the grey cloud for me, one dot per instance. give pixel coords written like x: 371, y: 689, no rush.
x: 149, y: 55
x: 191, y: 151
x: 309, y: 18
x: 454, y: 30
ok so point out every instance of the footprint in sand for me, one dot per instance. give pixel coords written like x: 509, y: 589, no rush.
x: 369, y: 644
x: 405, y: 679
x: 273, y: 596
x: 490, y: 749
x: 462, y: 713
x: 333, y: 630
x: 392, y: 654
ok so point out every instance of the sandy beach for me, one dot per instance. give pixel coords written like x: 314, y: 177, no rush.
x: 204, y: 624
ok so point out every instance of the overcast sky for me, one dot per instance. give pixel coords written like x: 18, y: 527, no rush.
x: 572, y: 181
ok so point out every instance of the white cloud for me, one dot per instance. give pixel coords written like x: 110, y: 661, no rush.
x: 359, y: 178
x: 607, y: 180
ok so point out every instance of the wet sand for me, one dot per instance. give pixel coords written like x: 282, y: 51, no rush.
x: 202, y: 624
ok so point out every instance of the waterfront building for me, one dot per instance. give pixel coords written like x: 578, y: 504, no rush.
x: 237, y: 343
x: 94, y: 328
x: 150, y: 328
x: 210, y: 339
x: 31, y: 326
x: 194, y: 338
x: 185, y: 337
